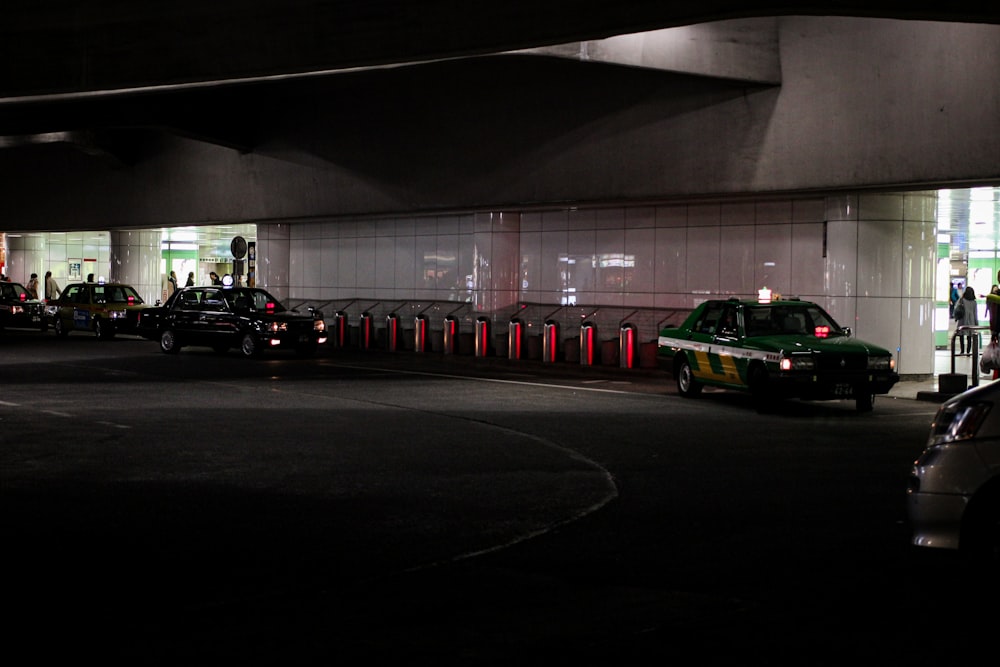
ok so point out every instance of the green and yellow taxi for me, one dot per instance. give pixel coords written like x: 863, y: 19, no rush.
x: 774, y: 349
x: 102, y: 308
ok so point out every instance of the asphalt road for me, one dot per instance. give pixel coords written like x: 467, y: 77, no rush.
x: 373, y: 507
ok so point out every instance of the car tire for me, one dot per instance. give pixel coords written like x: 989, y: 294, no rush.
x: 980, y: 539
x: 249, y: 346
x: 687, y: 386
x: 758, y: 382
x: 60, y: 328
x: 103, y: 330
x: 169, y: 342
x: 865, y: 401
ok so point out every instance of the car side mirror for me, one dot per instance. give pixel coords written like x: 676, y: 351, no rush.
x: 847, y: 331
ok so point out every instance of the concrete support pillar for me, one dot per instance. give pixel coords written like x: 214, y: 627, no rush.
x: 135, y: 259
x: 274, y: 258
x: 880, y: 272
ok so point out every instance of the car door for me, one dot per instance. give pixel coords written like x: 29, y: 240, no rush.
x: 185, y: 316
x: 702, y: 336
x: 726, y: 354
x: 81, y: 308
x: 220, y: 322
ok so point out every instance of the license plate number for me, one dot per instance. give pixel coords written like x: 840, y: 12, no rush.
x: 842, y: 390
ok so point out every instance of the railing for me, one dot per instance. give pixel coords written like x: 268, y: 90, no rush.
x: 536, y: 324
x: 972, y: 335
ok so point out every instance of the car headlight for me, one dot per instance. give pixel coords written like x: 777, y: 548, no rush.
x: 881, y: 363
x: 797, y: 363
x: 117, y: 314
x: 16, y: 310
x: 954, y: 423
x: 319, y: 325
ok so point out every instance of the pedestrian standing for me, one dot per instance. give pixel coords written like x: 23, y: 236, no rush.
x: 993, y: 309
x: 190, y: 280
x: 967, y: 315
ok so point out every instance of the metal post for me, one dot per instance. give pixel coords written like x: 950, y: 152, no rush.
x: 340, y: 329
x: 515, y: 338
x: 392, y: 332
x: 366, y: 337
x: 550, y: 341
x: 626, y: 346
x: 420, y: 334
x: 482, y: 342
x: 588, y: 335
x: 450, y: 334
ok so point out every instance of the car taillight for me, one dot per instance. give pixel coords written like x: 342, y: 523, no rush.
x: 822, y: 331
x: 954, y: 423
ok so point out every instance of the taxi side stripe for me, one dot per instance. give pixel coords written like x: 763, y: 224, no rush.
x: 714, y: 348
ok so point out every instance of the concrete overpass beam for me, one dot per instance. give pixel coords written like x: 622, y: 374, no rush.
x: 742, y: 49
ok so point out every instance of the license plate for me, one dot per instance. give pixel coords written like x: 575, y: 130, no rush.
x: 304, y: 338
x: 842, y: 390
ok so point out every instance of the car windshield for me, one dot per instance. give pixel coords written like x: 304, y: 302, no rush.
x: 781, y: 319
x: 248, y: 299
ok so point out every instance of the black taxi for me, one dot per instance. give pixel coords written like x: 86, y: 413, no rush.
x: 224, y: 317
x: 18, y: 309
x: 101, y: 308
x: 775, y: 348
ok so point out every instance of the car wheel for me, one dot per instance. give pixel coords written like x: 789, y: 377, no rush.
x: 865, y: 401
x: 980, y: 540
x: 687, y: 386
x: 103, y: 330
x: 249, y: 346
x: 169, y: 342
x: 759, y: 390
x: 60, y: 328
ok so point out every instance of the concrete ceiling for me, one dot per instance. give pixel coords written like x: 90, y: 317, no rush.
x: 65, y: 47
x: 93, y: 73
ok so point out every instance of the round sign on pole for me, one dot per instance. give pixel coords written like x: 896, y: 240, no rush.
x: 238, y: 247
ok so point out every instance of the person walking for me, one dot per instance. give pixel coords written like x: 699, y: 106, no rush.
x: 52, y: 290
x: 190, y: 280
x: 967, y: 315
x: 33, y: 286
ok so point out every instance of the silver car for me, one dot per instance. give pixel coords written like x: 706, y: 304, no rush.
x: 954, y: 489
